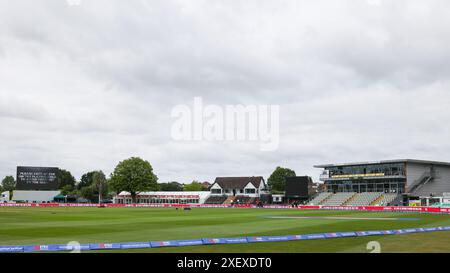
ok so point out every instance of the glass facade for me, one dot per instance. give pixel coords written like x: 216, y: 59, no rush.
x: 394, y: 169
x: 367, y: 185
x: 387, y: 178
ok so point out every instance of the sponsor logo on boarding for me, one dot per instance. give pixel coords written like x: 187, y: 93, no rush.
x: 73, y: 246
x: 314, y: 236
x: 164, y: 243
x: 410, y: 230
x: 347, y: 234
x: 431, y: 229
x: 65, y: 247
x: 236, y: 240
x: 279, y: 238
x: 135, y: 245
x: 190, y: 242
x: 41, y: 248
x: 214, y: 241
x: 11, y: 249
x: 332, y: 235
x: 374, y: 232
x: 104, y: 246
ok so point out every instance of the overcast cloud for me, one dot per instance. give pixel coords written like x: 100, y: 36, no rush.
x: 85, y: 86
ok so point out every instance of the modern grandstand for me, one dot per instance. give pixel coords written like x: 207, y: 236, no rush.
x: 399, y: 203
x: 389, y: 182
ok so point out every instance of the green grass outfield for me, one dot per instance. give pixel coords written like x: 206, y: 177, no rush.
x: 33, y: 225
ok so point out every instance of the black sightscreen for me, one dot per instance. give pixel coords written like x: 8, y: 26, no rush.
x: 36, y: 178
x: 297, y: 187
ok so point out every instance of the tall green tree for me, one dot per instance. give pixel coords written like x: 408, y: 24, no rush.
x: 86, y: 180
x: 90, y: 185
x: 277, y: 180
x: 100, y: 185
x: 194, y: 186
x: 9, y: 184
x: 88, y: 193
x: 68, y: 190
x: 65, y: 178
x: 133, y: 175
x: 170, y: 186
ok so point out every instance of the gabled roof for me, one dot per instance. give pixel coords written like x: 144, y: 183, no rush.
x: 238, y: 182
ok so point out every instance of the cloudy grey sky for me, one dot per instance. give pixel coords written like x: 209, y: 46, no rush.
x: 85, y: 86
